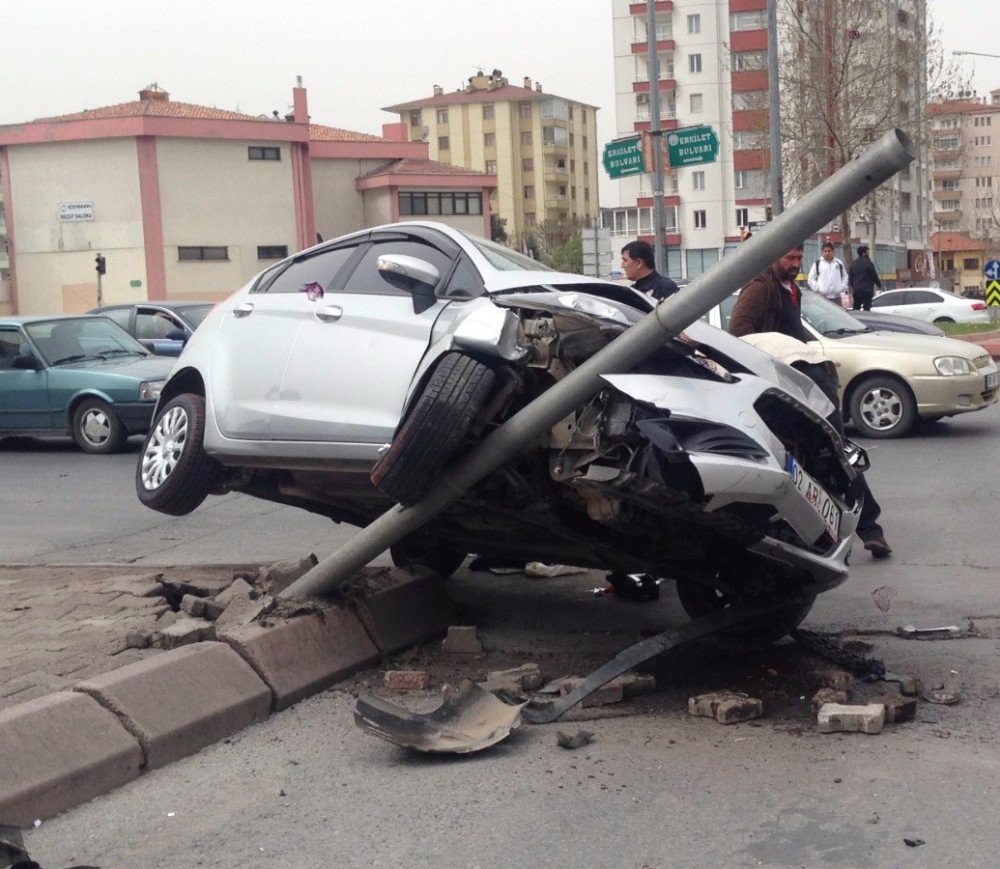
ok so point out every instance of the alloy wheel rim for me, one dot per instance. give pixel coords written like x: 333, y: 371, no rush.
x: 164, y: 447
x: 96, y: 427
x: 882, y: 409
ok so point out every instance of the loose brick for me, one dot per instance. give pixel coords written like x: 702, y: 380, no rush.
x: 243, y: 609
x: 612, y: 692
x: 462, y: 640
x: 275, y: 578
x: 238, y: 586
x: 306, y: 654
x: 193, y: 605
x: 178, y: 702
x: 836, y: 718
x: 899, y: 709
x: 183, y: 632
x: 407, y: 680
x: 909, y: 686
x: 59, y: 751
x: 828, y: 695
x: 408, y: 608
x: 726, y: 707
x: 635, y: 684
x: 839, y: 679
x: 527, y: 677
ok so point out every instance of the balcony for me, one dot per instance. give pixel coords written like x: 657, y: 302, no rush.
x: 660, y: 5
x: 947, y: 215
x: 667, y: 44
x: 556, y: 173
x: 666, y: 114
x: 641, y: 85
x: 946, y: 194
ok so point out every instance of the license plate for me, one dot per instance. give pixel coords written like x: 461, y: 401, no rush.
x: 992, y: 379
x: 816, y: 495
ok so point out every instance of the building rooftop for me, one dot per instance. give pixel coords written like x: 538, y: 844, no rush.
x: 947, y: 242
x: 481, y: 88
x: 414, y: 166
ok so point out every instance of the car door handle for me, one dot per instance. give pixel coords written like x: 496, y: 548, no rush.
x: 329, y: 313
x: 243, y: 309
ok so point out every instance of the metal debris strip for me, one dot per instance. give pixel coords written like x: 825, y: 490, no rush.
x: 470, y: 719
x: 869, y: 669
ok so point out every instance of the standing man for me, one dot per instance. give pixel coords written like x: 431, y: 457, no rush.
x: 828, y: 277
x: 863, y: 277
x: 771, y: 302
x: 640, y: 267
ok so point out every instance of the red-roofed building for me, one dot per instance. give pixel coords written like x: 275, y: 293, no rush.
x: 541, y: 148
x: 187, y: 201
x: 959, y: 261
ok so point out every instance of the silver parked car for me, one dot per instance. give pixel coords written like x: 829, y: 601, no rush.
x: 346, y: 377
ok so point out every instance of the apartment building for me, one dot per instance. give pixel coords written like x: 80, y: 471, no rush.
x: 713, y: 71
x: 542, y: 148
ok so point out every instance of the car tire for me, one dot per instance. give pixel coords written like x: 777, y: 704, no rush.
x: 434, y: 429
x: 700, y: 600
x: 882, y: 407
x: 940, y: 320
x: 409, y: 553
x: 175, y: 474
x: 96, y: 427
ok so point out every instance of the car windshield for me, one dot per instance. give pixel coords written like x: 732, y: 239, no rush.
x: 194, y: 314
x: 829, y: 319
x: 505, y: 259
x: 72, y: 339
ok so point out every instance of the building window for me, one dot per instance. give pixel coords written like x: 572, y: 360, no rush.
x: 488, y: 112
x: 442, y: 116
x: 697, y: 104
x: 905, y: 201
x: 586, y: 194
x: 743, y: 100
x: 415, y: 118
x: 571, y: 114
x: 554, y: 136
x: 584, y: 143
x: 491, y: 167
x: 970, y: 265
x: 490, y: 140
x: 526, y: 137
x: 528, y: 164
x: 443, y: 143
x: 435, y: 203
x: 529, y: 191
x: 524, y: 110
x: 740, y: 179
x: 747, y: 140
x: 199, y: 253
x: 694, y: 63
x: 747, y: 60
x: 586, y: 167
x: 742, y: 217
x: 263, y: 152
x: 272, y: 251
x: 756, y: 20
x: 529, y: 218
x: 700, y: 219
x: 694, y: 24
x: 698, y: 180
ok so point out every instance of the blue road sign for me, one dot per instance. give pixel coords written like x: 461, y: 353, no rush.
x: 992, y: 270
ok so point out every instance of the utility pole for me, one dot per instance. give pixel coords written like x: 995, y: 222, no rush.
x: 656, y: 134
x: 774, y: 110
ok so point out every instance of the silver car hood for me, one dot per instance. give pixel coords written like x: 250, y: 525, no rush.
x: 500, y: 282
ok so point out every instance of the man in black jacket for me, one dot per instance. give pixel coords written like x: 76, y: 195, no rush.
x: 639, y: 266
x: 863, y: 277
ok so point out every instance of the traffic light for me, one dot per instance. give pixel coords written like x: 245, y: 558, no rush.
x: 101, y: 267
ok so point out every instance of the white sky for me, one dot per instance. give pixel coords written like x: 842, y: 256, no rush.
x: 61, y: 56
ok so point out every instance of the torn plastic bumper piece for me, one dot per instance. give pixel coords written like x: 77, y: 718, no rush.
x: 470, y: 719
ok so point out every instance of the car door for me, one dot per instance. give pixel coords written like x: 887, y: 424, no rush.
x: 359, y: 346
x: 894, y: 302
x: 24, y: 402
x: 255, y: 341
x: 924, y: 304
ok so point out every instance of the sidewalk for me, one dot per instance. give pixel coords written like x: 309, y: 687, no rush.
x: 989, y: 341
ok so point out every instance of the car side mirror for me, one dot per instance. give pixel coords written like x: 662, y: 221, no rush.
x: 26, y: 363
x: 409, y: 273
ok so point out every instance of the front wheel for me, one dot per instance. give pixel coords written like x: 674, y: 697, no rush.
x: 96, y: 427
x: 175, y: 474
x: 883, y: 407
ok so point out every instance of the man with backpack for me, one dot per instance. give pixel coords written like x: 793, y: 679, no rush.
x: 828, y: 277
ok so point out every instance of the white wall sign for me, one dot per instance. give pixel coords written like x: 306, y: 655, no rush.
x: 75, y: 211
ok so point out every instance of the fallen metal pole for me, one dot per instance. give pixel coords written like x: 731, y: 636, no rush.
x: 816, y: 209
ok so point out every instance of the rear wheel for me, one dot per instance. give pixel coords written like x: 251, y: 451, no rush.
x: 96, y: 427
x: 883, y: 407
x: 701, y: 600
x: 434, y: 429
x: 944, y: 320
x: 175, y: 474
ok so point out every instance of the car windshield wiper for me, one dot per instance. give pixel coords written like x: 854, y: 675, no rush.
x: 76, y: 358
x: 120, y: 352
x: 832, y: 333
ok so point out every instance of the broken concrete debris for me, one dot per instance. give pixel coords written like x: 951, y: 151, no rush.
x: 909, y: 686
x: 726, y: 707
x: 407, y: 680
x: 829, y: 695
x: 237, y: 587
x: 515, y: 681
x: 576, y: 740
x: 182, y: 632
x: 462, y: 640
x: 276, y: 577
x: 838, y: 718
x: 839, y: 679
x: 899, y: 709
x: 943, y: 632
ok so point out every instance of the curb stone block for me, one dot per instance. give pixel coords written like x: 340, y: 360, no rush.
x: 410, y: 608
x: 59, y: 751
x: 183, y: 632
x: 243, y: 609
x: 836, y: 718
x: 178, y: 702
x: 304, y: 655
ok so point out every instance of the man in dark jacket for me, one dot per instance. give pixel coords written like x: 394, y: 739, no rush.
x: 863, y: 277
x: 639, y: 266
x: 772, y: 302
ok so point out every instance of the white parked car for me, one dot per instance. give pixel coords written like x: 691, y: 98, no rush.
x: 347, y: 377
x: 931, y: 305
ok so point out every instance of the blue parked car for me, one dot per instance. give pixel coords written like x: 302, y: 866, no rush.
x: 83, y: 376
x: 162, y: 328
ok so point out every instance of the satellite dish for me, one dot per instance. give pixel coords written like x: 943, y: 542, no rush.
x: 424, y: 133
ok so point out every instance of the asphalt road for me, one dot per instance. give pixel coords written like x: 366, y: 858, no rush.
x: 655, y: 788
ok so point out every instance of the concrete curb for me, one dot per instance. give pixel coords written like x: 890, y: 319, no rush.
x: 66, y: 748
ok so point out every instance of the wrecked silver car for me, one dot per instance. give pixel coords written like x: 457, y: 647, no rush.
x: 348, y: 376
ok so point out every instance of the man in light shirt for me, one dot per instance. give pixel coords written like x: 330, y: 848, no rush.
x: 828, y: 277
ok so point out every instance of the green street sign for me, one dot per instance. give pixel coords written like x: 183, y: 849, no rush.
x: 692, y: 146
x: 623, y: 158
x: 135, y: 283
